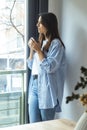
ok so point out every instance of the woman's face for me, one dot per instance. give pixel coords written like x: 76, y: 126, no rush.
x: 40, y: 26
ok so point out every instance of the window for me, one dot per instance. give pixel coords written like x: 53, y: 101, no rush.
x: 12, y: 61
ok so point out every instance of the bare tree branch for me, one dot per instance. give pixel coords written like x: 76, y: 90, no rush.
x: 12, y: 21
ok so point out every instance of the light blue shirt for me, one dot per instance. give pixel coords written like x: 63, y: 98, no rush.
x: 51, y: 76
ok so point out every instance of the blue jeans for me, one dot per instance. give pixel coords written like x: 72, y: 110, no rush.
x: 36, y: 114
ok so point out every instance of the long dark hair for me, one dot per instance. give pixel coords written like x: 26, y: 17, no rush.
x: 49, y: 20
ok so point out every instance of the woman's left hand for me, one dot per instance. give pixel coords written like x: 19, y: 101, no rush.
x: 35, y: 45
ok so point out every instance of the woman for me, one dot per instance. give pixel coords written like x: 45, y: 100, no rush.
x: 48, y: 64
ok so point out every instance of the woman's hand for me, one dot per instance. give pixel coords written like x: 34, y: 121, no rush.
x: 35, y: 46
x: 31, y: 50
x: 30, y: 42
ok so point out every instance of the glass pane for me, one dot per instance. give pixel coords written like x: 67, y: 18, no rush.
x: 12, y: 62
x: 12, y: 45
x: 10, y: 82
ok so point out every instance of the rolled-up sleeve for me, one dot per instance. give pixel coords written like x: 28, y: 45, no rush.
x: 54, y: 57
x: 29, y: 63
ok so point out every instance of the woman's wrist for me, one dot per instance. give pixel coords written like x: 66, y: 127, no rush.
x: 40, y: 54
x: 31, y: 54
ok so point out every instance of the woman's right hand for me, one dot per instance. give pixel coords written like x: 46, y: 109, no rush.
x: 31, y: 50
x: 30, y: 42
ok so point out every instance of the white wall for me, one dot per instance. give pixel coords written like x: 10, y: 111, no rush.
x: 73, y: 29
